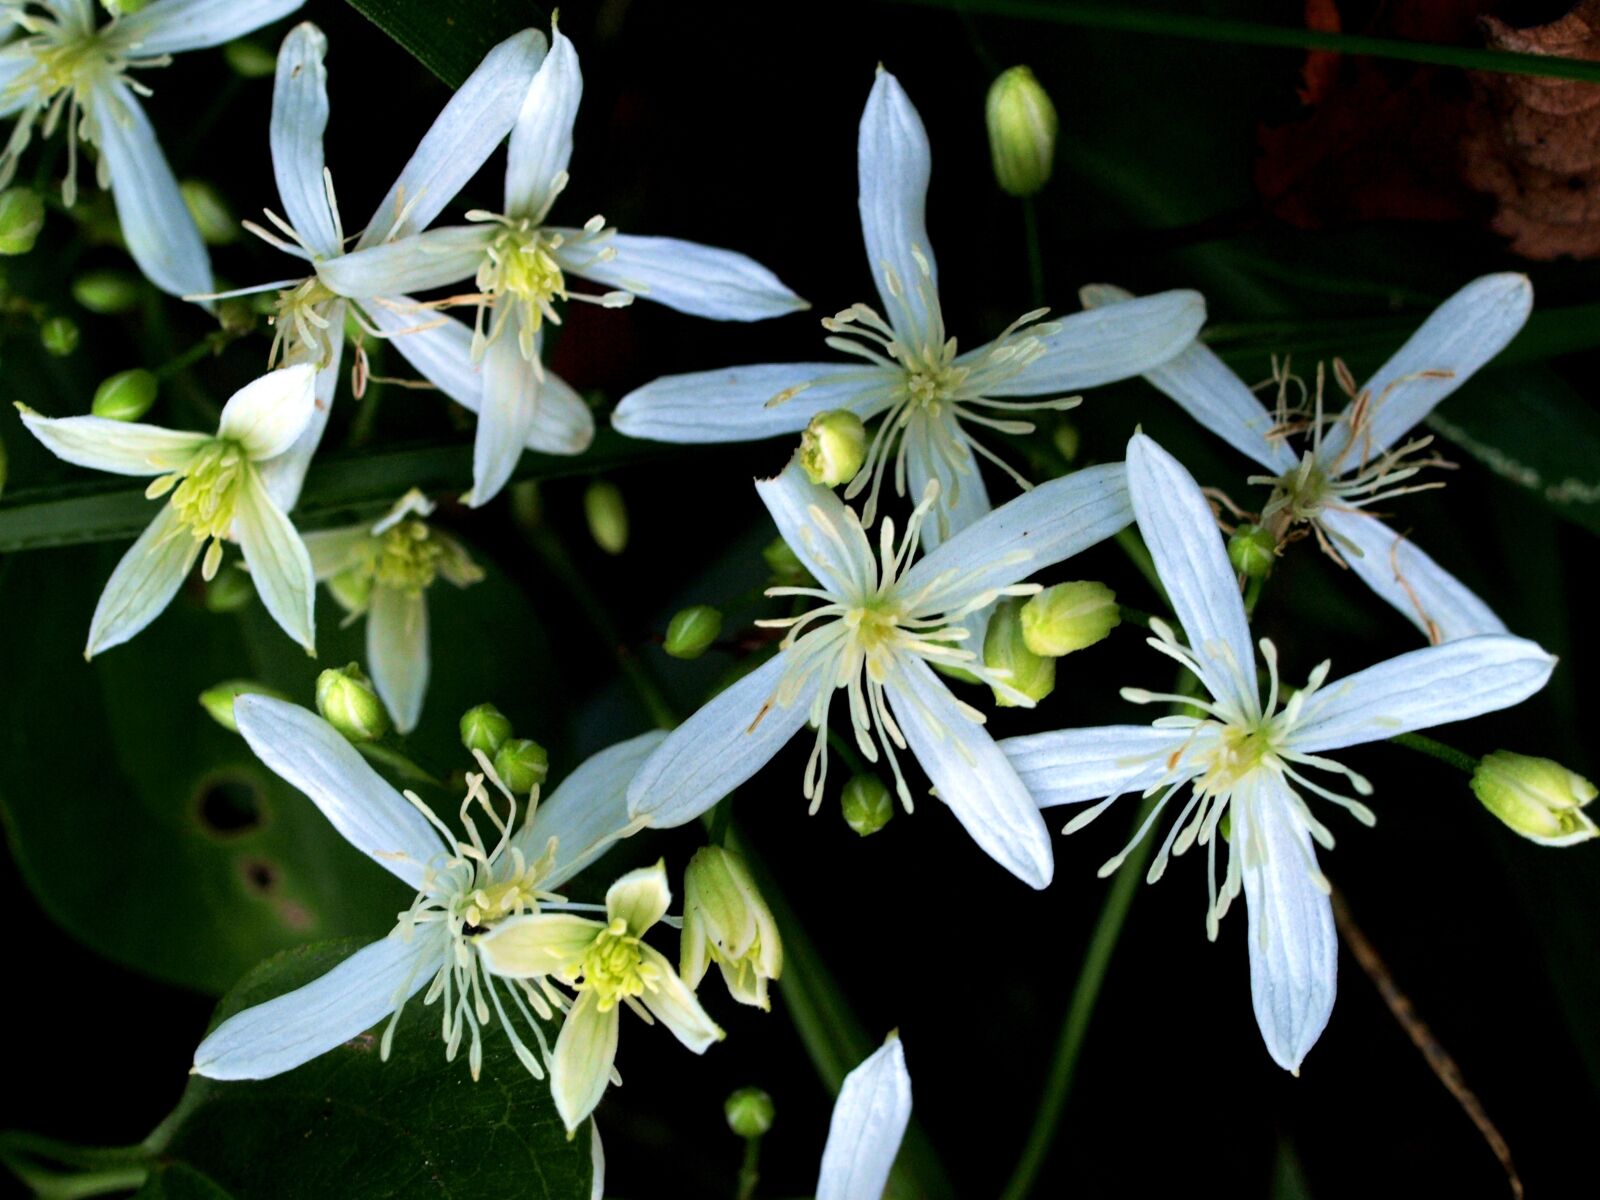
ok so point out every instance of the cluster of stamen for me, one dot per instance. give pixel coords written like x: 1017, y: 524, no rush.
x: 301, y: 319
x: 408, y: 557
x: 614, y: 968
x: 205, y: 494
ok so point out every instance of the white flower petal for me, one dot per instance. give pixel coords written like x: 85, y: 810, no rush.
x: 121, y: 447
x: 279, y: 565
x: 963, y: 498
x: 730, y: 405
x: 894, y: 163
x: 704, y: 281
x: 1068, y: 766
x: 597, y: 1162
x: 294, y: 1028
x: 675, y: 1006
x: 433, y: 259
x: 266, y: 415
x: 437, y: 345
x: 824, y: 535
x: 508, y: 407
x: 971, y: 774
x: 285, y: 474
x: 1182, y: 534
x: 1427, y: 595
x: 640, y: 898
x: 580, y: 1068
x: 173, y: 26
x: 541, y: 139
x: 299, y: 118
x: 335, y: 551
x: 312, y: 756
x: 144, y: 582
x: 563, y: 424
x: 730, y: 738
x: 1427, y: 687
x: 533, y: 944
x: 869, y: 1122
x: 397, y: 652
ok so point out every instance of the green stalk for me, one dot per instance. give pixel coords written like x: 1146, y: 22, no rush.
x: 1434, y: 748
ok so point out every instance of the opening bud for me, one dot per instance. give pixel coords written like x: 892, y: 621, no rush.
x: 1022, y: 132
x: 59, y: 336
x: 106, y: 292
x: 1538, y: 798
x: 1006, y: 649
x: 218, y: 700
x: 125, y: 396
x: 607, y: 515
x: 347, y: 701
x: 833, y: 447
x: 484, y: 729
x: 521, y: 764
x: 691, y: 631
x: 229, y: 590
x: 21, y: 219
x: 749, y: 1112
x: 725, y: 921
x: 1068, y: 617
x: 210, y: 211
x: 866, y: 804
x: 1252, y: 551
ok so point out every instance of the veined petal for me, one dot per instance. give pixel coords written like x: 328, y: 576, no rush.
x: 640, y: 898
x: 963, y: 497
x: 121, y: 447
x: 335, y: 551
x: 312, y: 756
x: 821, y: 531
x: 268, y: 414
x: 581, y: 1065
x: 144, y: 582
x: 869, y: 1122
x: 1427, y: 595
x: 1068, y: 766
x: 971, y: 774
x: 1462, y: 334
x: 508, y: 406
x: 397, y: 652
x: 534, y: 944
x: 730, y: 405
x: 285, y: 474
x: 675, y: 1006
x: 299, y: 118
x: 433, y: 259
x: 173, y: 26
x: 462, y: 138
x: 541, y: 139
x: 1294, y: 952
x: 894, y: 163
x: 730, y: 738
x: 703, y: 281
x: 278, y: 562
x: 564, y: 423
x: 294, y: 1028
x: 1182, y: 534
x: 1427, y: 687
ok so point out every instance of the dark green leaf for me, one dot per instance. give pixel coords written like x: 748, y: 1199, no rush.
x: 450, y: 37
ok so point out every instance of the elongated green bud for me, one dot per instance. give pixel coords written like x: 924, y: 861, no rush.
x: 125, y: 396
x: 210, y: 212
x: 833, y: 447
x: 1068, y: 617
x: 59, y: 336
x: 248, y: 59
x: 484, y: 729
x: 1022, y: 132
x: 229, y: 590
x: 107, y: 293
x: 1006, y: 649
x: 691, y: 631
x: 1252, y: 551
x: 726, y: 921
x: 1538, y: 798
x: 218, y: 699
x: 21, y: 219
x: 784, y: 563
x: 347, y: 701
x: 749, y: 1112
x: 607, y: 514
x: 866, y: 804
x: 521, y: 764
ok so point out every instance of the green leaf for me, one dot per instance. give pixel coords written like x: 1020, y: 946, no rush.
x: 450, y: 37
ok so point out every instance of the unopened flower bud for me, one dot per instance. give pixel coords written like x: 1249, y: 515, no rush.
x: 1006, y: 649
x: 691, y: 631
x: 484, y: 729
x: 107, y: 292
x: 833, y: 447
x: 218, y: 700
x: 1538, y: 798
x: 607, y: 516
x: 236, y: 316
x: 21, y: 219
x: 1067, y: 441
x: 347, y: 701
x: 1068, y: 617
x: 866, y: 804
x: 229, y: 590
x: 1022, y: 131
x: 784, y: 563
x: 726, y: 921
x: 125, y: 396
x: 1252, y: 551
x: 749, y: 1112
x: 521, y: 764
x: 59, y: 336
x: 210, y: 211
x: 248, y: 59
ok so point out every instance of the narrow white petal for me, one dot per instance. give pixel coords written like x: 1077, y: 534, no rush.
x: 268, y: 414
x: 285, y: 474
x: 173, y: 26
x: 564, y: 423
x: 597, y: 1162
x: 528, y: 945
x: 313, y: 757
x: 279, y: 565
x: 121, y: 447
x: 580, y: 1068
x: 144, y: 582
x: 508, y: 408
x: 971, y: 774
x: 1069, y: 766
x: 299, y: 118
x: 541, y: 139
x: 640, y: 898
x: 869, y: 1122
x: 675, y: 1006
x: 792, y: 499
x: 963, y: 497
x: 730, y: 405
x: 894, y: 163
x: 704, y: 281
x: 296, y: 1027
x: 397, y: 652
x: 438, y: 346
x: 433, y: 259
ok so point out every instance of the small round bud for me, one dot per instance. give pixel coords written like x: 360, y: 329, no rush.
x: 218, y: 700
x: 237, y: 316
x: 691, y: 631
x: 347, y: 701
x: 1005, y: 649
x: 1538, y: 798
x: 866, y: 804
x: 248, y: 59
x: 833, y: 447
x: 211, y: 214
x: 749, y: 1112
x: 59, y: 336
x: 521, y: 764
x: 484, y: 729
x: 1252, y: 551
x: 1068, y: 617
x: 1067, y: 441
x: 21, y: 219
x: 1022, y: 132
x: 607, y: 515
x: 125, y: 396
x: 229, y: 590
x: 106, y: 292
x: 784, y: 563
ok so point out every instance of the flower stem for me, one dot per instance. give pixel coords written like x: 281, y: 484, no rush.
x: 1433, y: 748
x: 750, y: 1169
x: 1030, y: 227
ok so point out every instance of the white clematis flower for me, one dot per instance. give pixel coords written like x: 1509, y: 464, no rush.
x: 383, y: 572
x: 520, y: 265
x: 1356, y: 460
x: 869, y: 1122
x: 883, y: 623
x: 928, y: 394
x: 1247, y: 758
x: 217, y: 493
x: 607, y: 964
x: 66, y: 64
x: 462, y: 887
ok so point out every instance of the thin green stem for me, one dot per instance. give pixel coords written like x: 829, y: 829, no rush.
x: 1434, y: 748
x: 1030, y: 227
x: 750, y: 1169
x: 1252, y: 595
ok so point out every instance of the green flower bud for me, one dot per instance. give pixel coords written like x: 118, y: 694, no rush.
x: 125, y: 396
x: 21, y: 219
x: 1068, y: 617
x: 1538, y: 798
x: 691, y: 631
x: 1252, y: 551
x: 1022, y: 132
x: 210, y: 212
x: 1006, y: 649
x: 237, y: 316
x: 347, y: 701
x: 867, y: 804
x: 784, y: 563
x: 1067, y: 441
x: 833, y: 447
x: 107, y: 292
x: 484, y: 729
x: 229, y: 590
x: 218, y: 700
x: 749, y: 1112
x: 59, y: 336
x: 726, y: 921
x: 521, y: 764
x: 607, y: 516
x: 249, y: 60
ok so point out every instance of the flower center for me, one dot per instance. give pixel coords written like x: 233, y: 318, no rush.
x: 408, y: 557
x: 614, y: 967
x: 1238, y: 751
x: 205, y: 495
